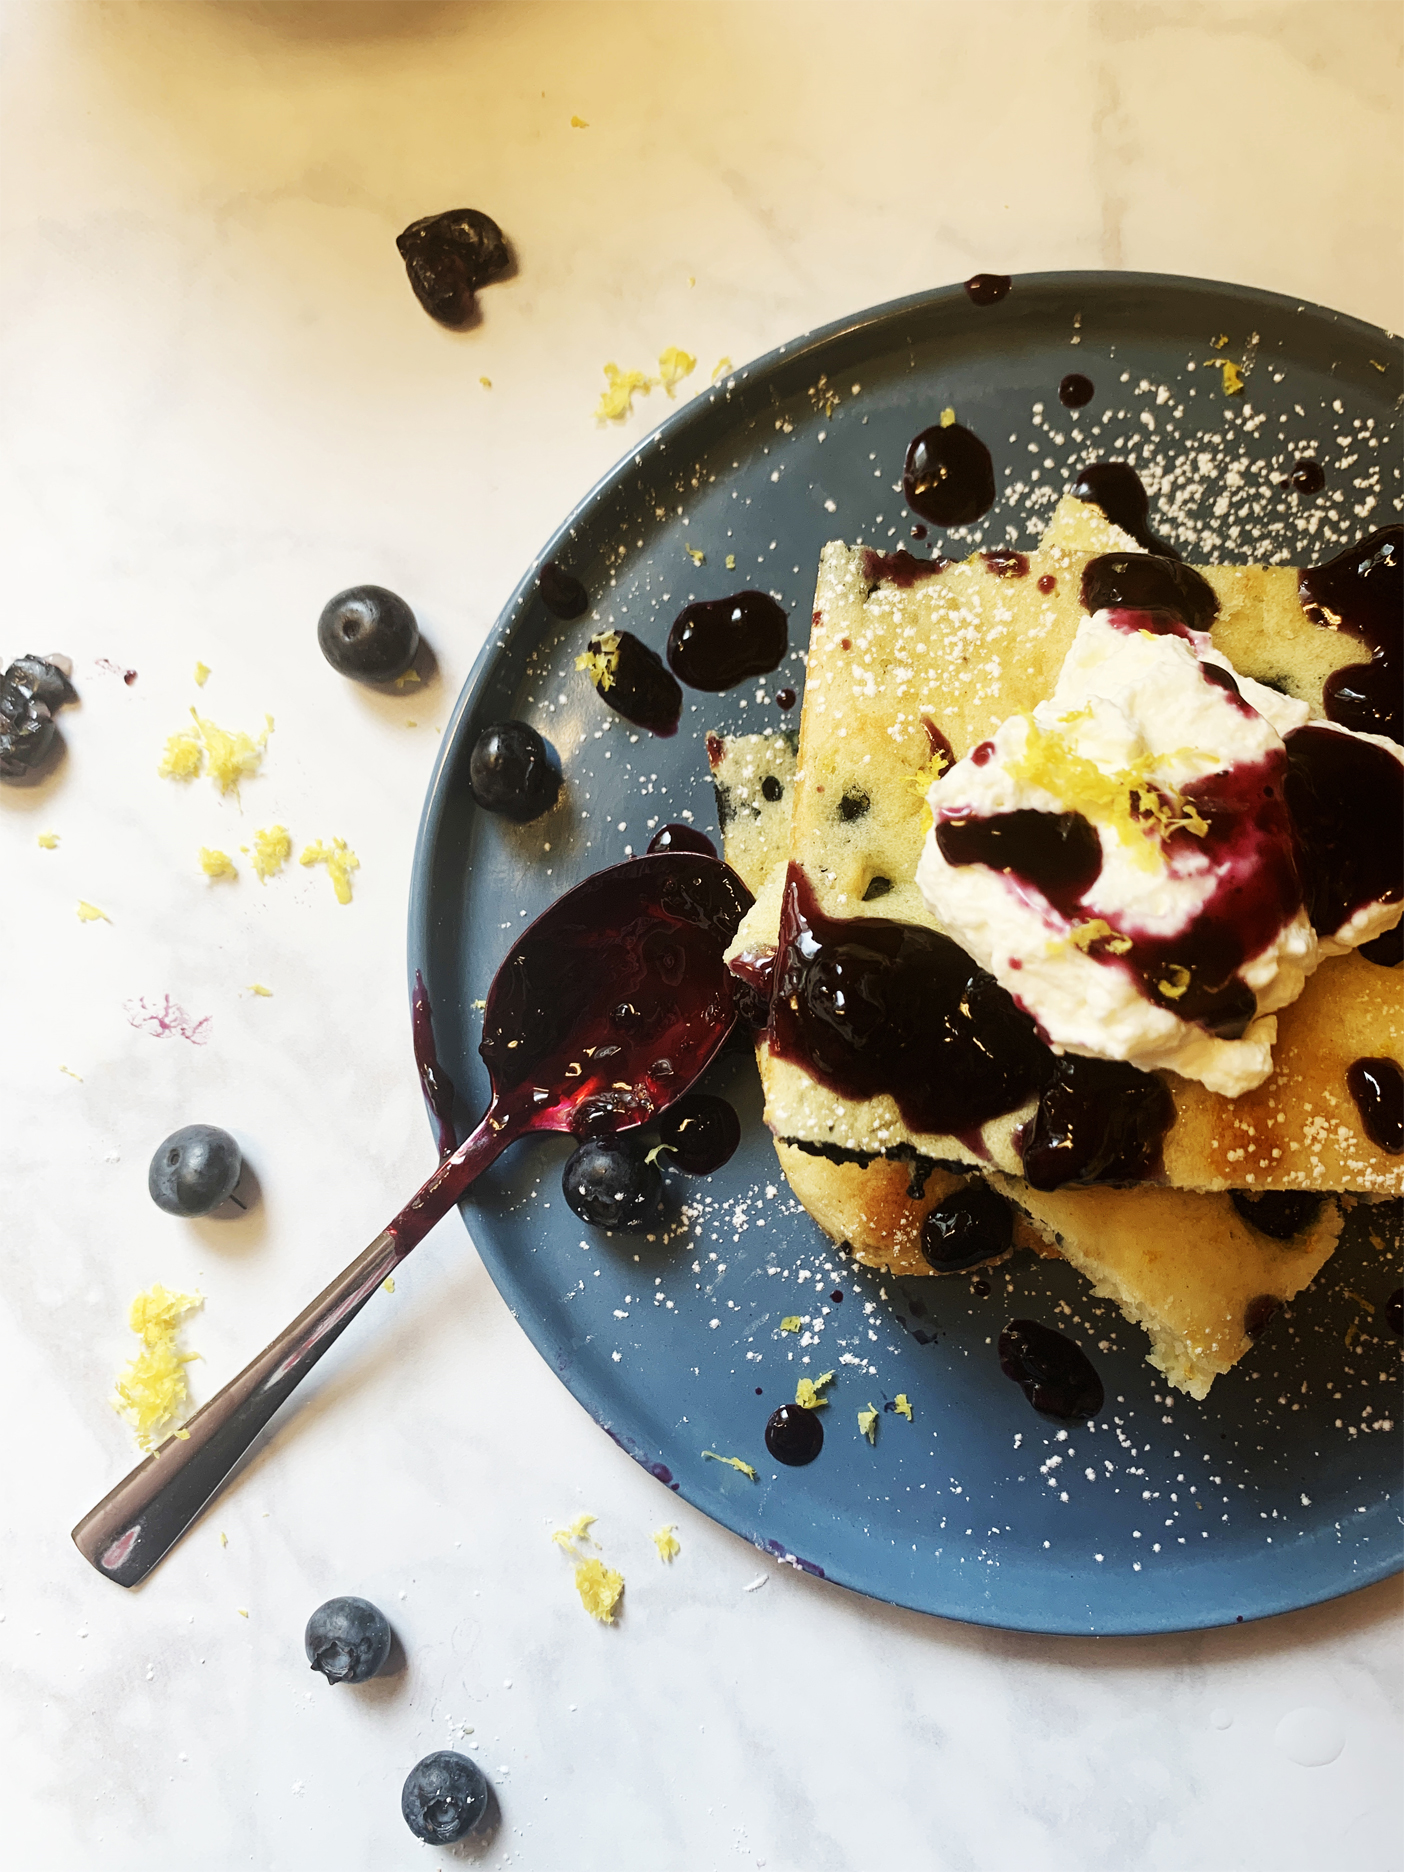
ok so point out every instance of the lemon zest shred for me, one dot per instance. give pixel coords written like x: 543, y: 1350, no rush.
x: 1095, y: 929
x: 731, y: 562
x: 791, y: 1323
x: 617, y: 401
x: 1359, y: 1299
x: 732, y: 1462
x: 48, y: 840
x: 72, y: 1075
x: 183, y: 758
x: 808, y: 1389
x: 259, y: 989
x: 202, y: 675
x: 600, y: 1589
x: 665, y: 1540
x: 340, y: 861
x: 272, y: 847
x: 152, y: 1391
x: 486, y: 382
x: 695, y: 554
x: 1178, y: 980
x: 902, y: 1405
x: 1220, y: 341
x: 673, y: 365
x: 947, y: 418
x: 721, y: 367
x: 89, y: 913
x: 600, y: 658
x: 868, y: 1423
x: 578, y: 123
x: 1127, y: 801
x: 217, y: 864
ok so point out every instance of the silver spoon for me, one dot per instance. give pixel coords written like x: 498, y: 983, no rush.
x: 606, y: 1009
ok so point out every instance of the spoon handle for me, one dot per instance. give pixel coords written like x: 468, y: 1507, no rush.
x: 135, y: 1526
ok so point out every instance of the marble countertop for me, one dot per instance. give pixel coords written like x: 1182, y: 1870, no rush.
x: 222, y: 404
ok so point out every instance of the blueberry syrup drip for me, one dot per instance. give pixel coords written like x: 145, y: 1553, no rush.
x: 1346, y: 798
x: 918, y: 532
x: 1394, y: 1312
x: 1054, y: 1374
x: 719, y: 642
x: 938, y: 743
x: 1076, y: 391
x: 1219, y: 678
x: 785, y: 699
x: 1117, y: 489
x: 1259, y: 1314
x: 987, y: 289
x: 948, y: 476
x: 981, y: 1289
x: 1361, y: 592
x: 899, y: 568
x: 1154, y: 583
x: 436, y: 1084
x: 561, y: 592
x: 701, y: 1133
x: 1005, y: 563
x: 1047, y: 583
x: 1098, y: 1121
x: 640, y: 688
x: 870, y: 1006
x: 1385, y: 951
x: 794, y: 1436
x: 1377, y: 1086
x: 1307, y: 477
x: 1282, y: 1214
x: 682, y: 838
x: 1059, y: 854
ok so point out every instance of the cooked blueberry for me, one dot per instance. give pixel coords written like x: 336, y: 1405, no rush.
x: 347, y: 1640
x: 368, y: 633
x: 561, y: 592
x: 1278, y: 1213
x: 612, y: 1185
x: 194, y: 1171
x: 30, y: 690
x: 701, y: 1131
x: 511, y: 772
x: 974, y: 1225
x: 444, y: 1797
x: 448, y: 257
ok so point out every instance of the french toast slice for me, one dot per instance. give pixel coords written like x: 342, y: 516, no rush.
x: 909, y: 656
x: 1185, y: 1266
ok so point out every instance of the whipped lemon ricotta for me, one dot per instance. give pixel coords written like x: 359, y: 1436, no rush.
x: 1139, y: 716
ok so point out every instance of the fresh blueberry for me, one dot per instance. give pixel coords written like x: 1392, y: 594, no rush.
x: 369, y: 633
x: 194, y: 1170
x: 611, y: 1185
x: 511, y: 772
x: 974, y: 1225
x: 448, y: 257
x: 347, y: 1640
x: 444, y: 1798
x: 30, y: 690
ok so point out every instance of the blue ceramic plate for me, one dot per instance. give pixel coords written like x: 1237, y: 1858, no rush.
x: 1282, y: 1488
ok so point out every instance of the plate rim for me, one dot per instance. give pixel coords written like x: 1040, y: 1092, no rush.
x: 1371, y: 1568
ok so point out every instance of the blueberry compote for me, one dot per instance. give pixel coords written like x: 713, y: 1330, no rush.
x: 948, y: 476
x: 966, y: 1229
x: 1117, y: 489
x: 1149, y: 582
x: 1346, y: 798
x: 1361, y: 591
x: 1005, y: 563
x: 1075, y: 390
x: 1054, y: 1374
x: 871, y: 1006
x: 701, y: 1133
x: 899, y: 568
x: 717, y: 643
x: 632, y: 679
x: 1377, y: 1086
x: 794, y: 1436
x: 1058, y: 853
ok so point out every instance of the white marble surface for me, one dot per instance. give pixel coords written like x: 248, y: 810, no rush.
x: 221, y: 404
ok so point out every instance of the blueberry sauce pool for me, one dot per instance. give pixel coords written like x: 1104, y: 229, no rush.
x: 1118, y: 490
x: 1076, y: 391
x: 948, y: 476
x: 1377, y: 1086
x: 1059, y: 854
x: 1054, y: 1374
x: 434, y: 1081
x: 1346, y: 799
x: 717, y: 643
x: 987, y: 289
x: 683, y: 838
x: 794, y: 1436
x: 1149, y: 582
x: 632, y: 679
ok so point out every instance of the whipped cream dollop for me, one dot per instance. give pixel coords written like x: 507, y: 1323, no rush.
x: 1123, y: 861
